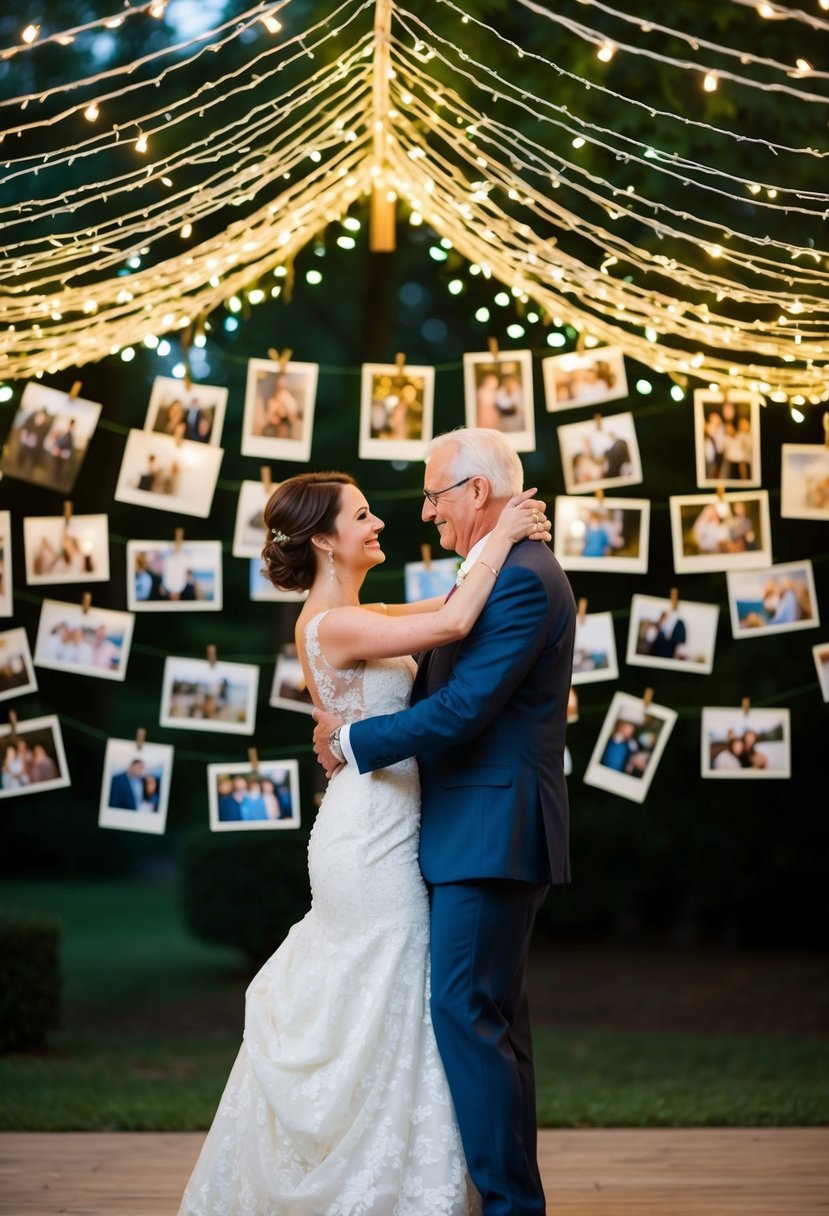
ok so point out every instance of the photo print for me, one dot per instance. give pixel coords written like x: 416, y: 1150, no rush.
x: 600, y: 453
x: 61, y: 550
x: 90, y: 642
x: 262, y: 590
x: 396, y: 408
x: 279, y: 410
x: 242, y: 798
x: 675, y: 634
x: 498, y: 393
x: 607, y: 534
x: 594, y: 652
x: 629, y: 747
x: 820, y: 654
x: 775, y: 600
x: 804, y: 481
x: 727, y: 438
x: 135, y: 788
x: 289, y: 690
x: 422, y: 581
x: 249, y: 533
x: 199, y: 695
x: 745, y: 743
x: 168, y: 474
x: 589, y: 377
x: 33, y: 759
x: 186, y: 411
x: 49, y: 436
x: 167, y: 576
x: 6, y: 579
x: 720, y: 532
x: 17, y: 675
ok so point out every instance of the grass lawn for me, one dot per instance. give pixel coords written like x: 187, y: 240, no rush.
x: 130, y: 1058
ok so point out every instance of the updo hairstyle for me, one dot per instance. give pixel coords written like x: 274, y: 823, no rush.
x: 299, y: 508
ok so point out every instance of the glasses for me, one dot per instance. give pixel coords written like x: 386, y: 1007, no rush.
x: 434, y: 495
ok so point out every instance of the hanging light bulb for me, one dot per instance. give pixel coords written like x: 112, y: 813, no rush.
x: 91, y: 112
x: 30, y: 33
x: 710, y: 82
x: 606, y: 52
x: 141, y: 143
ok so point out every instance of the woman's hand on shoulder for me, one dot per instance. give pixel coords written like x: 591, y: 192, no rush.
x: 524, y: 516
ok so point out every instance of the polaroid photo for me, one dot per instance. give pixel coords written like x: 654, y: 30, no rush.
x: 600, y: 453
x: 33, y: 759
x: 49, y: 436
x: 572, y: 706
x: 396, y: 408
x: 168, y: 474
x: 242, y: 798
x: 589, y: 377
x: 135, y: 788
x: 679, y: 635
x: 594, y: 652
x: 727, y: 438
x: 6, y: 578
x: 186, y: 411
x: 91, y: 642
x: 804, y: 481
x: 61, y: 550
x: 262, y: 590
x: 607, y: 534
x: 249, y: 532
x: 720, y: 532
x: 498, y: 394
x: 199, y: 695
x: 629, y: 747
x: 17, y: 675
x: 422, y: 581
x: 165, y: 576
x: 739, y: 743
x: 775, y: 600
x: 289, y: 690
x: 279, y: 410
x: 820, y: 654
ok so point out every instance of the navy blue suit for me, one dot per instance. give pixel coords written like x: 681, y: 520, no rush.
x: 487, y: 724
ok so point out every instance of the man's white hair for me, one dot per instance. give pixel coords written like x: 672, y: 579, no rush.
x: 482, y: 452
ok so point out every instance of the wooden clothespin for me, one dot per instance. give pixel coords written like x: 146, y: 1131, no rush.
x: 74, y: 390
x: 267, y: 478
x: 186, y: 335
x: 746, y: 705
x: 140, y: 736
x: 253, y: 759
x: 492, y: 346
x: 86, y: 601
x: 282, y: 359
x: 67, y: 511
x: 597, y: 418
x: 426, y: 556
x: 400, y: 364
x: 13, y: 725
x: 647, y: 697
x: 826, y: 429
x: 211, y: 655
x: 581, y: 341
x: 582, y: 610
x: 179, y: 538
x: 600, y: 497
x: 674, y: 598
x: 721, y: 491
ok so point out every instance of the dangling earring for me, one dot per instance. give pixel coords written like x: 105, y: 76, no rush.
x: 331, y: 564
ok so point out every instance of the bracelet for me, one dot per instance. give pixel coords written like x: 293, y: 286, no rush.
x: 492, y: 568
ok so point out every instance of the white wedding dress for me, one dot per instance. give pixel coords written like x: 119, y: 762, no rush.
x: 337, y: 1104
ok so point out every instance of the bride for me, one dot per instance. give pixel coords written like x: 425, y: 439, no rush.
x: 337, y: 1104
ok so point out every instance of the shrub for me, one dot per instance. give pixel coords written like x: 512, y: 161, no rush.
x: 30, y: 967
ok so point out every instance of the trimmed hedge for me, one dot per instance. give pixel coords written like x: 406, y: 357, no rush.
x: 31, y: 987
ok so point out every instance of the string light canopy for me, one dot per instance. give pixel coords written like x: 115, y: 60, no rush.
x: 134, y: 207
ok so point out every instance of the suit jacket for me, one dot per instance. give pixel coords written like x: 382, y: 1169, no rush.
x: 487, y: 724
x: 121, y: 795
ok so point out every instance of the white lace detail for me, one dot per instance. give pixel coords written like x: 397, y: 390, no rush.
x: 337, y: 1104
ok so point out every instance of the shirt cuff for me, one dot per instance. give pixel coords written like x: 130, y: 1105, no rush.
x: 345, y: 744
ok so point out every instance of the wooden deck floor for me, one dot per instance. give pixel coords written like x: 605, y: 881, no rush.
x: 767, y: 1172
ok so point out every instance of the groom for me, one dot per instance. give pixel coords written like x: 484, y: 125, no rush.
x: 486, y: 722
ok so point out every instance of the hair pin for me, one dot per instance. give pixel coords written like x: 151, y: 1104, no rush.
x: 279, y: 536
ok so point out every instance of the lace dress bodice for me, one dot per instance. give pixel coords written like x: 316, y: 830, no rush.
x: 380, y: 686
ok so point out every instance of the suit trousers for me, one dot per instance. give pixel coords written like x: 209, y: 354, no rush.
x: 480, y: 940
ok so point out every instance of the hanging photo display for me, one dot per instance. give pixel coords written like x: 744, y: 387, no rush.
x: 168, y: 474
x: 594, y: 651
x: 249, y: 533
x: 820, y: 654
x: 630, y: 746
x: 174, y: 576
x: 135, y: 787
x: 672, y: 633
x: 739, y: 743
x: 184, y: 410
x: 396, y: 409
x: 727, y: 438
x: 423, y: 581
x: 599, y: 454
x: 33, y: 757
x: 262, y: 590
x: 804, y: 481
x: 17, y: 675
x: 279, y: 409
x: 6, y: 578
x: 720, y: 531
x: 498, y: 392
x: 199, y: 695
x: 49, y: 436
x: 581, y: 378
x: 289, y: 690
x: 777, y: 599
x: 242, y: 798
x: 66, y: 550
x: 85, y: 641
x: 608, y: 534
